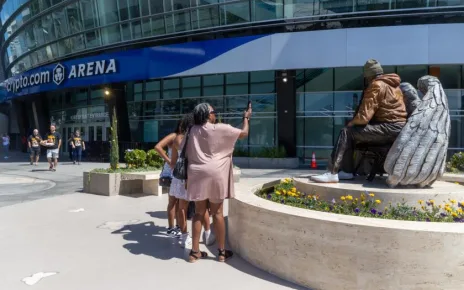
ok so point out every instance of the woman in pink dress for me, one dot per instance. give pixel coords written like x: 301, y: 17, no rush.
x: 210, y: 173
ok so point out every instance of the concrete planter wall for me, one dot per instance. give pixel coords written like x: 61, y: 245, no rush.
x: 110, y: 184
x: 266, y: 163
x: 329, y: 251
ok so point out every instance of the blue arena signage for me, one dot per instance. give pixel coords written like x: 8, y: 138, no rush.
x: 122, y: 66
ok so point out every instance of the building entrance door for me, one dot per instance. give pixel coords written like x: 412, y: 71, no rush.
x: 90, y: 132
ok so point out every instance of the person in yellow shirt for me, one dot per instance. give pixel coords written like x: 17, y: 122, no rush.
x: 78, y: 145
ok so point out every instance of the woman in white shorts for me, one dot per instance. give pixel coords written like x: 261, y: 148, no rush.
x: 179, y: 191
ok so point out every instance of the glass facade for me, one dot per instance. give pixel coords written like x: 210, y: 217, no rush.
x: 42, y: 30
x: 327, y: 98
x: 155, y: 106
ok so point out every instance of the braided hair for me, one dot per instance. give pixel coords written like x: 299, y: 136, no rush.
x: 201, y: 113
x: 187, y: 122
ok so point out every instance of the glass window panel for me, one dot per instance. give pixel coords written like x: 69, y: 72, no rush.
x: 152, y: 108
x: 74, y: 18
x: 205, y: 17
x: 48, y: 28
x: 191, y: 92
x: 138, y: 88
x: 261, y: 88
x: 349, y: 79
x: 61, y: 23
x: 153, y: 85
x: 145, y: 7
x: 177, y: 22
x: 111, y: 34
x: 318, y: 131
x: 263, y: 132
x: 134, y: 109
x: 38, y: 32
x: 171, y: 84
x: 346, y: 102
x: 134, y: 9
x: 236, y: 104
x: 217, y: 103
x: 315, y: 80
x: 449, y: 75
x: 157, y: 24
x: 156, y: 7
x: 77, y: 43
x: 263, y: 103
x: 262, y: 82
x: 93, y: 38
x: 126, y: 33
x: 97, y: 97
x: 146, y: 27
x: 191, y: 82
x: 167, y: 5
x: 189, y: 104
x: 181, y: 4
x: 88, y: 14
x: 262, y: 76
x: 237, y: 78
x: 202, y: 2
x: 171, y: 107
x: 265, y: 10
x: 213, y: 91
x: 108, y: 11
x: 138, y: 97
x: 123, y: 10
x: 235, y: 13
x: 136, y: 30
x: 213, y: 80
x: 44, y: 4
x: 412, y: 73
x: 236, y: 89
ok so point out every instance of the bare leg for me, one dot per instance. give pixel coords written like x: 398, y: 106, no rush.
x: 182, y: 215
x: 200, y: 209
x: 37, y: 159
x: 50, y: 163
x: 171, y: 210
x: 219, y: 224
x: 55, y: 162
x: 206, y: 221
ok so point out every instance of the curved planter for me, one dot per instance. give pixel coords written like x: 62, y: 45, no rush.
x: 330, y: 251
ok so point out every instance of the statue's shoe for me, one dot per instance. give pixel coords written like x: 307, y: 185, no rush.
x: 325, y: 178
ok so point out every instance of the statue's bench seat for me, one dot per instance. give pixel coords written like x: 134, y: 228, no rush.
x: 375, y: 152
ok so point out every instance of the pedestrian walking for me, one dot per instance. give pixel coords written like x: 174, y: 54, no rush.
x: 78, y: 145
x: 53, y: 144
x: 6, y: 145
x: 34, y: 146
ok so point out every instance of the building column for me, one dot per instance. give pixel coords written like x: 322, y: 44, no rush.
x: 286, y: 110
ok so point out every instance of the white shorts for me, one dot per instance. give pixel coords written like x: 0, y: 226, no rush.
x: 53, y: 153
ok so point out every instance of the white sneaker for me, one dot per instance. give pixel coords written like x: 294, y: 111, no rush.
x: 185, y: 241
x: 209, y: 238
x: 325, y: 178
x: 342, y: 175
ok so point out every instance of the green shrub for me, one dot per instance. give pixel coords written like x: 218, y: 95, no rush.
x: 456, y: 163
x: 135, y: 158
x: 154, y: 159
x: 114, y: 150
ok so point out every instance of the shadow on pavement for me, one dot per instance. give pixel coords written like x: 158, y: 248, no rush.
x: 158, y: 214
x: 151, y: 240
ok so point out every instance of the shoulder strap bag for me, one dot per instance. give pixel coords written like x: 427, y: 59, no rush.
x: 180, y: 170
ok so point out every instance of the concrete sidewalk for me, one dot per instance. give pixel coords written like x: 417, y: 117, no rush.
x: 80, y: 241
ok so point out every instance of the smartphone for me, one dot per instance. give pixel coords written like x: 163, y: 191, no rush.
x: 249, y: 105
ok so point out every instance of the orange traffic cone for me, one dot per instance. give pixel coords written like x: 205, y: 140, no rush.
x: 313, y: 161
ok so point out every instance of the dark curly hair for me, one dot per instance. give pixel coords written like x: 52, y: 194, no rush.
x: 186, y: 123
x: 201, y: 113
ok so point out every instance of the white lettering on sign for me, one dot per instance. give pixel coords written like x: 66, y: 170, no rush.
x: 92, y: 68
x: 90, y: 116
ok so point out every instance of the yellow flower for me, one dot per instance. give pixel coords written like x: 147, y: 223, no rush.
x: 349, y: 197
x: 454, y: 214
x: 461, y: 203
x: 356, y: 199
x: 378, y: 201
x: 371, y: 194
x: 284, y: 191
x: 432, y: 202
x: 447, y: 205
x: 439, y: 206
x: 363, y: 202
x: 363, y: 196
x: 423, y: 207
x: 453, y: 201
x: 294, y: 189
x: 420, y: 201
x: 342, y: 198
x: 277, y: 192
x: 456, y: 183
x: 448, y: 209
x: 460, y: 210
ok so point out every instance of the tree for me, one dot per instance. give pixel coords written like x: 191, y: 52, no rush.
x: 114, y: 150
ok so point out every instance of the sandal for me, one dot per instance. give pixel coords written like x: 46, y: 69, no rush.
x: 193, y: 256
x: 224, y: 255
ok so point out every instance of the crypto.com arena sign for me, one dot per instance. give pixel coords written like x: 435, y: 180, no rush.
x: 59, y: 74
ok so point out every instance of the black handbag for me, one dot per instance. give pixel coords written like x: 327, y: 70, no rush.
x: 180, y: 170
x: 165, y: 181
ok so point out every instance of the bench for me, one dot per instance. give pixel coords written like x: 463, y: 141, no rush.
x: 376, y: 153
x: 149, y: 180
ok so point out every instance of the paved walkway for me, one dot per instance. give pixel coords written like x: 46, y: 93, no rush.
x: 63, y: 239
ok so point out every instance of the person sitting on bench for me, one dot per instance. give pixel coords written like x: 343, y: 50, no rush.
x: 378, y: 121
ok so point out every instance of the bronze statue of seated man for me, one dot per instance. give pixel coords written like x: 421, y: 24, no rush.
x: 379, y: 120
